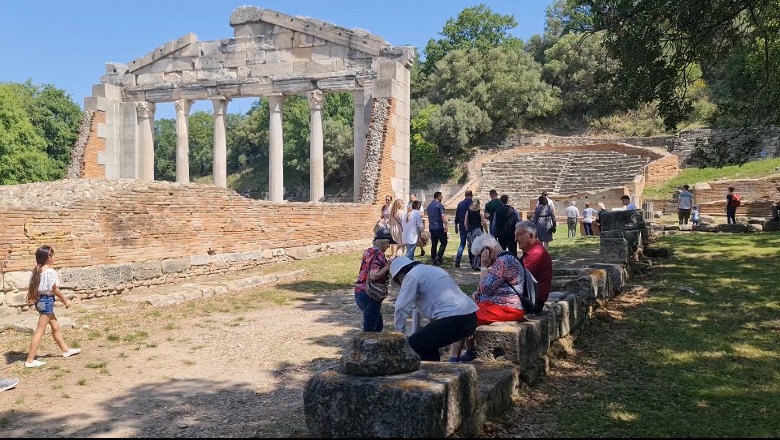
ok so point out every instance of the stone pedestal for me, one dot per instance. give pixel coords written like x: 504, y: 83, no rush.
x: 390, y: 393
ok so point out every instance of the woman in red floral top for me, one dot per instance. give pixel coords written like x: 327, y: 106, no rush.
x: 374, y: 264
x: 496, y: 296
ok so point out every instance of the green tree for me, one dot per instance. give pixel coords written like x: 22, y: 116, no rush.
x: 55, y: 117
x: 23, y: 157
x: 658, y: 41
x: 165, y: 149
x: 506, y: 84
x: 201, y: 129
x: 581, y: 68
x: 477, y: 27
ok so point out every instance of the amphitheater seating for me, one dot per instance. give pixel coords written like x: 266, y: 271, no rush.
x: 524, y: 176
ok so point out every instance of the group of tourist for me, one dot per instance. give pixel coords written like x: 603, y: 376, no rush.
x: 453, y: 316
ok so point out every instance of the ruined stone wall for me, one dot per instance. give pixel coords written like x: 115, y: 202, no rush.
x: 116, y: 234
x: 684, y: 144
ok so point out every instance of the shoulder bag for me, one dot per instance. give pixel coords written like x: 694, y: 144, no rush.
x: 375, y: 291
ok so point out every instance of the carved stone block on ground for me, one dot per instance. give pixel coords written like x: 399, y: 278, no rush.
x: 517, y: 342
x: 614, y: 250
x: 623, y: 220
x: 438, y: 400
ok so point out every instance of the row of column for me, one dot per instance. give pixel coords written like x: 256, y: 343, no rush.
x: 145, y: 112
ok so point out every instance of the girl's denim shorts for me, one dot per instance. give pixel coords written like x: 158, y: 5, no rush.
x: 45, y: 304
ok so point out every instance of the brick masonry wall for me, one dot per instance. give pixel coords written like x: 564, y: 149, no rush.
x: 100, y: 222
x: 95, y: 144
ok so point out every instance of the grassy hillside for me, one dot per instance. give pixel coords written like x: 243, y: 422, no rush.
x: 691, y: 176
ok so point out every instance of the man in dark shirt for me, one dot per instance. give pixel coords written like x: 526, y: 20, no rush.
x: 437, y: 226
x: 460, y: 226
x: 490, y: 209
x: 505, y: 218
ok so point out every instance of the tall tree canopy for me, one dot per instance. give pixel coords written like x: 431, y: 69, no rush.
x: 477, y: 28
x: 659, y: 42
x: 23, y: 156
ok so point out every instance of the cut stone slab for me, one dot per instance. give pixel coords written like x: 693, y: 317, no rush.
x: 379, y: 354
x: 438, y: 400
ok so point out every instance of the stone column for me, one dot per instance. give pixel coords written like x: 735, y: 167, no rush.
x: 362, y: 119
x: 316, y: 147
x: 275, y: 149
x: 145, y: 111
x: 183, y: 107
x: 219, y: 167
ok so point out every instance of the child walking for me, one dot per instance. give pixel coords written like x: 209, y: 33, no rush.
x: 695, y: 216
x: 44, y: 286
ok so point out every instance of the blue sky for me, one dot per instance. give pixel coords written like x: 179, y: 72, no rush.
x: 68, y: 43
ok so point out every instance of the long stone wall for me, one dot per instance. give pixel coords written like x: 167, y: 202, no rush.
x: 113, y: 235
x: 684, y: 144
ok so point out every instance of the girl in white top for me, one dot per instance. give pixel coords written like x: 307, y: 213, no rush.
x: 44, y: 286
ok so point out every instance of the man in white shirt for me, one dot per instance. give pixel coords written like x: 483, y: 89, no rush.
x: 437, y: 297
x: 684, y: 205
x: 412, y: 228
x: 572, y: 213
x: 588, y: 215
x: 629, y: 205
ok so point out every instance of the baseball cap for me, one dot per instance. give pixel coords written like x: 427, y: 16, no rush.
x: 384, y: 234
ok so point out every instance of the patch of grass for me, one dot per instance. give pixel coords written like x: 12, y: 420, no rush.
x: 4, y: 422
x: 113, y: 338
x: 65, y: 396
x: 693, y: 360
x: 151, y: 345
x: 100, y: 364
x: 82, y: 382
x: 132, y: 337
x: 188, y: 362
x: 691, y: 176
x: 171, y: 326
x: 94, y: 334
x: 75, y: 343
x: 122, y: 355
x: 56, y: 387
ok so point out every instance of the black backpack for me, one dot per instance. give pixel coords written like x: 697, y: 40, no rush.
x: 529, y: 297
x: 507, y: 226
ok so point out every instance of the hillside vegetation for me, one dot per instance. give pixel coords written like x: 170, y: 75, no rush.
x: 692, y: 176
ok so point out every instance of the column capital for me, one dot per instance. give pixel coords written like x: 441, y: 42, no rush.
x: 182, y: 106
x: 145, y: 109
x: 220, y: 105
x: 316, y: 99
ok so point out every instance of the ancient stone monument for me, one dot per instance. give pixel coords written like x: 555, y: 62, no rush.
x: 270, y: 56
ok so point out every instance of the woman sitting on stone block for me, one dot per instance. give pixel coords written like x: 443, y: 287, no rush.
x: 501, y: 277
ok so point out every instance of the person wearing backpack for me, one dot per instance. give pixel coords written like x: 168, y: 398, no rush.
x: 535, y: 258
x: 502, y: 276
x: 505, y: 218
x: 733, y: 200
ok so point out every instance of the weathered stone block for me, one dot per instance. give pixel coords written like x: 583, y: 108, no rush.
x: 437, y: 401
x: 737, y: 227
x: 199, y: 260
x: 616, y: 273
x: 623, y: 220
x: 95, y: 277
x: 706, y: 227
x: 771, y: 226
x: 517, y: 342
x: 146, y: 270
x: 379, y: 354
x: 298, y: 253
x: 634, y: 238
x: 613, y: 250
x: 16, y: 280
x: 174, y: 265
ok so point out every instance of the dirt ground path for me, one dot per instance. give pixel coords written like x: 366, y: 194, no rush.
x: 228, y: 366
x: 233, y: 365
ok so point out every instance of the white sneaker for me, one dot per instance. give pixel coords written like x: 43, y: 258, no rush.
x: 7, y: 384
x: 71, y: 352
x: 34, y: 364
